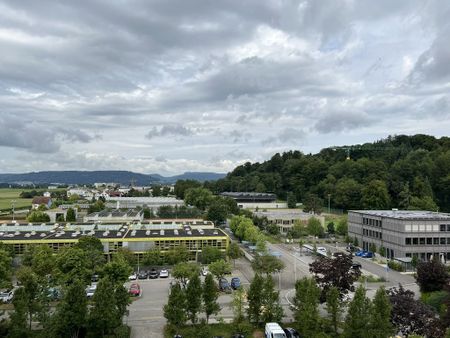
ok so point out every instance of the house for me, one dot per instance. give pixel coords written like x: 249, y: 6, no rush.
x: 39, y: 200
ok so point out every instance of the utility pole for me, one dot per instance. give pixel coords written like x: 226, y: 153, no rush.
x: 329, y: 196
x: 13, y: 202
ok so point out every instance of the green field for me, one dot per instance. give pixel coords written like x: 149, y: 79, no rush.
x: 6, y: 195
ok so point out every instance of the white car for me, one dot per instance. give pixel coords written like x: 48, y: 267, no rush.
x: 6, y: 296
x: 91, y: 290
x: 205, y: 271
x: 322, y: 249
x: 163, y: 273
x: 133, y: 276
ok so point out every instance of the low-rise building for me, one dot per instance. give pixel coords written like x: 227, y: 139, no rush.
x: 115, y: 216
x: 402, y: 233
x: 286, y: 218
x: 41, y: 200
x: 152, y: 203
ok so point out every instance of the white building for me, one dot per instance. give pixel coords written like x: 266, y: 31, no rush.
x: 152, y: 203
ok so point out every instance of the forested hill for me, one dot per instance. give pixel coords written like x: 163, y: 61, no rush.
x: 397, y: 172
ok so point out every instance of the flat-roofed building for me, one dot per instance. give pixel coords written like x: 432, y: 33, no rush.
x: 152, y: 203
x: 250, y: 196
x: 286, y: 218
x: 138, y: 237
x: 403, y: 233
x: 115, y: 216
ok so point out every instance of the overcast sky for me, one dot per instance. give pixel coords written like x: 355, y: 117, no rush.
x: 173, y: 86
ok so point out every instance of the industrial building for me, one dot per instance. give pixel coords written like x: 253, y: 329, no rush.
x: 152, y: 203
x: 138, y: 237
x: 115, y: 216
x: 286, y: 218
x: 402, y: 233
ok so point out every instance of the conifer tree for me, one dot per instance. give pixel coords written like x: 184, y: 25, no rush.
x: 175, y: 309
x: 334, y: 310
x: 210, y: 296
x: 273, y: 312
x: 380, y: 317
x: 306, y: 306
x: 255, y: 300
x: 356, y: 322
x: 194, y: 298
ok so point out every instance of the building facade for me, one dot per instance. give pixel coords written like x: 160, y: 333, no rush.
x: 285, y: 219
x: 402, y: 233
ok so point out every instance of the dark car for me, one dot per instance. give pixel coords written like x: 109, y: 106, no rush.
x: 224, y: 285
x: 291, y: 333
x: 142, y: 275
x: 367, y: 254
x: 356, y: 266
x: 153, y: 274
x: 95, y: 278
x: 235, y: 283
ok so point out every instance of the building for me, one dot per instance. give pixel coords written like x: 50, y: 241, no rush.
x: 285, y: 219
x: 138, y: 237
x: 152, y: 203
x: 115, y: 216
x: 57, y: 212
x: 41, y: 200
x: 247, y: 197
x: 402, y: 233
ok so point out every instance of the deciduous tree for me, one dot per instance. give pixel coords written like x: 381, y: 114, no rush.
x: 334, y: 310
x: 210, y: 295
x: 272, y: 310
x: 267, y: 264
x: 193, y: 298
x: 432, y: 276
x: 219, y: 268
x: 255, y: 299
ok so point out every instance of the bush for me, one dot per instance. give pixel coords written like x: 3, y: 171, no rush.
x: 396, y: 266
x: 435, y: 299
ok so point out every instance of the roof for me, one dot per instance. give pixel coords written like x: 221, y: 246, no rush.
x: 285, y: 214
x: 41, y: 200
x: 248, y: 195
x: 406, y: 214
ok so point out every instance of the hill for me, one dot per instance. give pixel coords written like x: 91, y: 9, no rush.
x: 407, y: 172
x: 91, y: 177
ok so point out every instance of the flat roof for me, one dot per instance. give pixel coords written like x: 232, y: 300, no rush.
x: 284, y: 213
x: 406, y: 214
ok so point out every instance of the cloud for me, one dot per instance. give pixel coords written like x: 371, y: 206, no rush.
x: 169, y: 130
x: 343, y: 121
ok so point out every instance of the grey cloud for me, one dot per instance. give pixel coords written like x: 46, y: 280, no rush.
x: 341, y: 121
x: 169, y: 130
x: 286, y: 136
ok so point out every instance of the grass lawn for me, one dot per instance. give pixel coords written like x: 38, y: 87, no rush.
x: 6, y: 195
x: 211, y: 330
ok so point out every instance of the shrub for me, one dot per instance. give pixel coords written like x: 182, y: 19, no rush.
x: 396, y: 266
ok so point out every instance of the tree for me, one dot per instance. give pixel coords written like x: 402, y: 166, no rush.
x: 93, y: 249
x: 73, y: 264
x: 18, y: 327
x: 182, y: 185
x: 432, y: 276
x: 5, y: 269
x: 237, y: 305
x: 210, y: 254
x: 193, y: 298
x: 218, y: 211
x: 70, y: 216
x: 315, y: 228
x: 312, y: 203
x: 127, y: 255
x: 42, y: 261
x: 373, y: 247
x: 380, y: 315
x: 60, y: 218
x: 70, y: 317
x: 210, y: 295
x: 148, y: 213
x: 104, y: 316
x: 272, y: 310
x: 32, y: 297
x: 177, y: 255
x: 183, y: 272
x: 267, y: 264
x: 330, y: 228
x: 335, y: 272
x: 152, y: 257
x: 357, y: 315
x: 375, y: 195
x: 342, y: 226
x: 198, y: 197
x: 234, y: 252
x: 334, y: 310
x: 411, y: 316
x: 118, y: 270
x: 306, y: 306
x: 423, y: 203
x: 255, y: 299
x: 156, y: 190
x: 298, y: 230
x: 38, y: 217
x: 219, y: 268
x: 291, y: 200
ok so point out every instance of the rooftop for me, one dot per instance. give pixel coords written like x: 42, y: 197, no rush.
x: 406, y: 214
x: 286, y: 213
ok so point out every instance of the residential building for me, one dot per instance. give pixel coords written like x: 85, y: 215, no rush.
x: 402, y: 233
x: 41, y: 200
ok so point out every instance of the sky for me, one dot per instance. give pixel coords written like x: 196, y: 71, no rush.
x: 173, y: 86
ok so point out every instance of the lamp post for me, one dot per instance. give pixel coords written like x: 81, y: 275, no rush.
x: 13, y: 202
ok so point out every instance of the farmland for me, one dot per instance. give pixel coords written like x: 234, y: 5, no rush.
x: 6, y: 195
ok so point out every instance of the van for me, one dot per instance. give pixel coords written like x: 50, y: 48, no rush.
x: 274, y: 330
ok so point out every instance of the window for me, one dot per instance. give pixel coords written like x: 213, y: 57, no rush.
x: 442, y: 227
x: 408, y: 254
x: 422, y: 241
x: 448, y: 240
x: 443, y: 241
x: 408, y: 241
x: 435, y: 240
x: 448, y: 227
x: 415, y: 241
x: 429, y: 241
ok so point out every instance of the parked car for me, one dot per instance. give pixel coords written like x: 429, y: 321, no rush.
x: 135, y: 290
x: 291, y: 333
x: 163, y: 273
x: 54, y: 293
x: 204, y: 271
x: 6, y: 296
x: 133, y: 276
x: 338, y: 254
x: 235, y: 283
x: 322, y: 250
x: 142, y: 275
x: 95, y: 278
x: 367, y: 254
x: 153, y: 274
x: 359, y: 253
x: 90, y: 291
x: 356, y: 266
x: 224, y: 285
x: 350, y: 248
x: 274, y: 330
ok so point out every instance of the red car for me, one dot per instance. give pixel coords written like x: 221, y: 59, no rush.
x: 135, y: 289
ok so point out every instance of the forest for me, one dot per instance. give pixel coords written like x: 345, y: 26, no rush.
x: 405, y: 172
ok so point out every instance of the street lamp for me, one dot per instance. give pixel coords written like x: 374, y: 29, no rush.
x: 13, y: 202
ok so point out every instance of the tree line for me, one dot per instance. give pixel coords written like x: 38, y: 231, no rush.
x: 406, y: 172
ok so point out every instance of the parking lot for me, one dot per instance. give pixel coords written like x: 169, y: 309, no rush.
x: 146, y: 317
